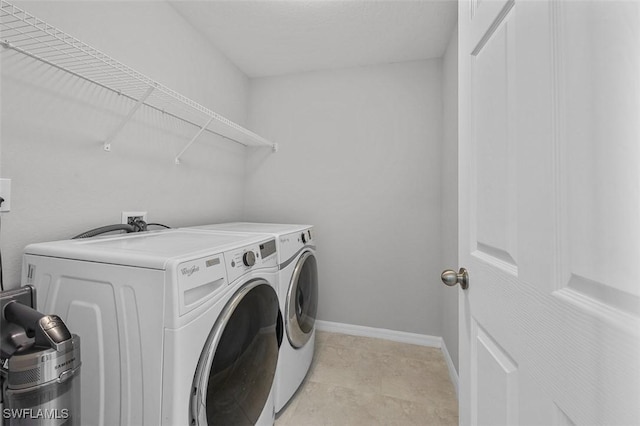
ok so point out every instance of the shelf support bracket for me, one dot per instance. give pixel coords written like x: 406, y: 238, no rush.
x: 193, y: 140
x: 114, y: 133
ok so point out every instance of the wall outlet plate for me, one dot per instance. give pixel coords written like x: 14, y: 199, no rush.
x: 126, y: 216
x: 5, y: 192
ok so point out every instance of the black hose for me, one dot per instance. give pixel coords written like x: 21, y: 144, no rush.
x: 105, y: 229
x: 158, y: 224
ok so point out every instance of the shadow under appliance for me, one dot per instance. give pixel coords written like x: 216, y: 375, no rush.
x: 178, y: 326
x: 298, y: 295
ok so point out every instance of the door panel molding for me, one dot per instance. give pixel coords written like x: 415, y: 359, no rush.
x: 622, y: 318
x: 553, y: 334
x: 498, y: 20
x: 494, y: 166
x: 596, y: 151
x: 496, y: 257
x: 495, y: 375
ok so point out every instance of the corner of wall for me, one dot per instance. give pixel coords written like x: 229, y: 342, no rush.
x: 449, y: 200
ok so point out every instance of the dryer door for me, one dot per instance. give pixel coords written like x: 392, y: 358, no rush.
x: 302, y: 300
x: 237, y: 366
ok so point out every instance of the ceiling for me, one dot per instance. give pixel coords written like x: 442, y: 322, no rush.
x: 274, y: 37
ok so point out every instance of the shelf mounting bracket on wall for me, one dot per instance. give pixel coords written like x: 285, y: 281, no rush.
x: 114, y: 133
x: 193, y: 140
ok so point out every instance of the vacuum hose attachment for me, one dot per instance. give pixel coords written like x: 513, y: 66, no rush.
x: 49, y: 330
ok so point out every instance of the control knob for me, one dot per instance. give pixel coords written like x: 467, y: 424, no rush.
x: 304, y: 238
x: 249, y: 259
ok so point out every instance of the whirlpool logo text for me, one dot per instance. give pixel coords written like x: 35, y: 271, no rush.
x: 190, y: 271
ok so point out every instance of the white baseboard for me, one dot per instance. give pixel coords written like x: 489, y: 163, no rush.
x: 453, y: 374
x: 395, y: 336
x: 380, y: 333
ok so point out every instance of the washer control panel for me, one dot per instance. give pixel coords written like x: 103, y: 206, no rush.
x: 291, y: 244
x: 244, y: 259
x: 249, y: 258
x: 305, y: 236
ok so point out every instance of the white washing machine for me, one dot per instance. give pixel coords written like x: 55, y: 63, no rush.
x: 178, y: 327
x: 298, y: 294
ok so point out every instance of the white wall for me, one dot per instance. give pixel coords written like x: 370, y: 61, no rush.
x: 53, y: 125
x: 360, y: 159
x: 449, y: 163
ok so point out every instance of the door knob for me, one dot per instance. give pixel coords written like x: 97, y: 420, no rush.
x: 452, y: 278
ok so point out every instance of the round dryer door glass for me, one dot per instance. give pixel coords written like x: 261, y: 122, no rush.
x: 236, y: 369
x: 302, y: 300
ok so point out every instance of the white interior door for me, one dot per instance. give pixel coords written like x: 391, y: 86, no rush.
x: 550, y: 212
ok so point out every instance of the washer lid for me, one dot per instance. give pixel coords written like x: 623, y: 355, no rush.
x: 145, y: 249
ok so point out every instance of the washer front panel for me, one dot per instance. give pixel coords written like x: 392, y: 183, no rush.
x: 302, y: 300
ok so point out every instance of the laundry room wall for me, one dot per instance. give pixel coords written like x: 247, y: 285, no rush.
x: 359, y: 158
x: 449, y: 163
x: 54, y: 124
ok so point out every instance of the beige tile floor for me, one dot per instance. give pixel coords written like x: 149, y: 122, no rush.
x: 365, y: 381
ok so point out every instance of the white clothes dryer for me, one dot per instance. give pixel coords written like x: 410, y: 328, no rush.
x: 178, y: 327
x: 298, y: 294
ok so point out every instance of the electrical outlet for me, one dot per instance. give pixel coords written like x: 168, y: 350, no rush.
x: 129, y: 217
x: 5, y: 193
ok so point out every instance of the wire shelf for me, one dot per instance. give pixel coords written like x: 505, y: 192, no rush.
x: 24, y: 33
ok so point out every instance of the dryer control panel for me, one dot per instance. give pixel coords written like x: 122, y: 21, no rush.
x: 291, y: 244
x: 255, y: 256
